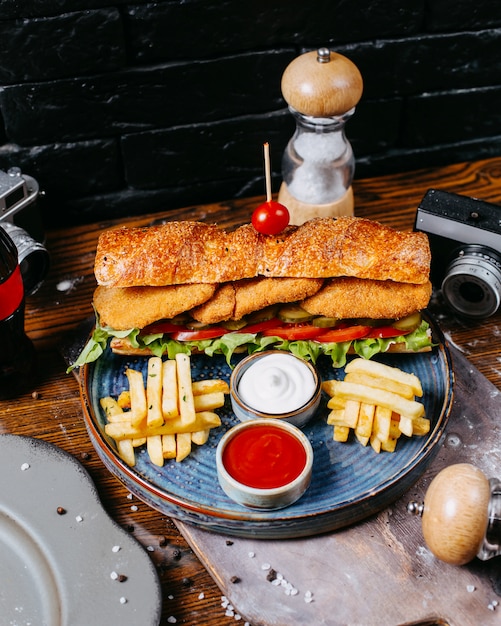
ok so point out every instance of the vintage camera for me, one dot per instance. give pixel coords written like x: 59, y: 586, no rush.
x: 20, y: 218
x: 465, y: 242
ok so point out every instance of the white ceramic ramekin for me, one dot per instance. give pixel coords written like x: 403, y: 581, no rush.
x: 299, y: 416
x: 253, y: 455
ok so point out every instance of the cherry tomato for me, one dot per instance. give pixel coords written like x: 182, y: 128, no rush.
x: 293, y: 332
x: 197, y: 335
x: 270, y: 218
x: 338, y: 335
x: 385, y: 332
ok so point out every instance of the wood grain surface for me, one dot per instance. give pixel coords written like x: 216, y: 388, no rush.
x: 53, y: 411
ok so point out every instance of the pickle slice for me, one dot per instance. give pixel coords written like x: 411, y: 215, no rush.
x: 294, y: 314
x: 410, y: 322
x: 325, y: 322
x: 234, y: 324
x: 194, y: 325
x: 268, y: 313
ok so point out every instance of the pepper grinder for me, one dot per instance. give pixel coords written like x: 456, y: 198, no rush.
x: 461, y: 515
x: 322, y: 89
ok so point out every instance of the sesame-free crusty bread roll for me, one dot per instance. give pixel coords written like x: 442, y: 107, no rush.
x: 195, y: 252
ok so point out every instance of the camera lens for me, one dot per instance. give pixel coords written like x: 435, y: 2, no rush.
x: 33, y: 257
x: 472, y: 282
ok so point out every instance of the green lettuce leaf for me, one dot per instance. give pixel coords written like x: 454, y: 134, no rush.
x: 234, y: 342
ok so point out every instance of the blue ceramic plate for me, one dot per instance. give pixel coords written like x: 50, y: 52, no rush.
x: 349, y: 482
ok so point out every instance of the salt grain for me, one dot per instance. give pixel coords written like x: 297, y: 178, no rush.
x: 25, y: 466
x: 252, y: 555
x: 113, y: 575
x: 133, y: 507
x: 150, y: 548
x: 265, y: 566
x: 171, y: 619
x: 123, y: 600
x: 79, y: 518
x: 201, y: 596
x: 470, y: 588
x: 115, y: 549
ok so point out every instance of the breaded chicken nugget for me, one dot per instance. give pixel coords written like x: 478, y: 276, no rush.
x: 346, y: 298
x: 136, y: 307
x: 255, y: 294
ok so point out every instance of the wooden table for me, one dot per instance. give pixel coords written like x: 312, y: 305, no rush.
x: 53, y: 413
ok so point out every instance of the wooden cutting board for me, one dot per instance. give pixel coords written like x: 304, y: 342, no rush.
x: 378, y: 572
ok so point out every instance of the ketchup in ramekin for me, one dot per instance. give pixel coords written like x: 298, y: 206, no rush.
x: 264, y: 464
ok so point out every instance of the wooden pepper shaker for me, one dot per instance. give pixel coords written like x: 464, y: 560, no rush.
x: 322, y: 89
x: 461, y: 515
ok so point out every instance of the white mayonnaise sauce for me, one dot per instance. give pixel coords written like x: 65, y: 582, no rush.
x: 276, y: 383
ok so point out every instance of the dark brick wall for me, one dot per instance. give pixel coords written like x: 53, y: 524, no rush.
x: 121, y: 108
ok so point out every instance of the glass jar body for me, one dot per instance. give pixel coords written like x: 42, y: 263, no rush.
x: 317, y: 169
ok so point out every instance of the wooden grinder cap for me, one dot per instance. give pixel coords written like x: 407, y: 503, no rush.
x: 455, y: 514
x: 322, y: 83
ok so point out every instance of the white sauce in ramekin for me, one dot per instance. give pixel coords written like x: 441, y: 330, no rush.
x: 277, y: 383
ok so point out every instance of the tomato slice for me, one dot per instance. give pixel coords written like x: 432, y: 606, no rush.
x: 337, y: 335
x: 386, y: 332
x: 198, y: 335
x: 162, y: 327
x: 259, y: 327
x: 293, y: 332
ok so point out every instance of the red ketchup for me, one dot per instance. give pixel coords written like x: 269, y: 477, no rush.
x: 264, y: 457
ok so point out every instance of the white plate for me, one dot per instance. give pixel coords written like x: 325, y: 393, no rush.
x: 60, y: 550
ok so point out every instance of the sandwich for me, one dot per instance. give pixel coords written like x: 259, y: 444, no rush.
x: 331, y: 286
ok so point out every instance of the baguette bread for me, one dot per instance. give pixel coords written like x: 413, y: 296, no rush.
x: 178, y: 253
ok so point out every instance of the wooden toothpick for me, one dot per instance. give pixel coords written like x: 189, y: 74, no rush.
x: 267, y: 170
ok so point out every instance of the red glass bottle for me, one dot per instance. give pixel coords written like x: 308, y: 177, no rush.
x: 17, y: 354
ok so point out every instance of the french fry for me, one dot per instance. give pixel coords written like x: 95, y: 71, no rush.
x: 125, y: 448
x: 200, y: 387
x: 351, y: 410
x: 155, y: 450
x: 341, y: 433
x: 371, y: 395
x: 336, y: 417
x: 200, y: 436
x: 406, y: 391
x: 124, y: 399
x: 405, y: 425
x: 421, y: 426
x: 112, y: 410
x: 389, y: 445
x: 167, y: 414
x: 185, y: 391
x: 378, y: 402
x: 154, y: 393
x: 362, y: 439
x: 374, y: 368
x: 126, y: 452
x: 183, y: 446
x: 382, y: 421
x: 126, y: 430
x: 365, y: 419
x: 208, y: 401
x: 169, y: 390
x: 375, y: 442
x: 169, y: 446
x: 138, y: 404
